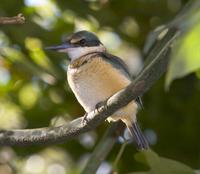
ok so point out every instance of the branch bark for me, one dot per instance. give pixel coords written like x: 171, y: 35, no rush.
x: 19, y: 19
x: 141, y: 84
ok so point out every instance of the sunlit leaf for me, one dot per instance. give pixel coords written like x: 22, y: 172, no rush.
x: 10, y: 114
x: 12, y: 54
x: 46, y: 12
x: 34, y: 45
x: 28, y: 95
x: 185, y: 57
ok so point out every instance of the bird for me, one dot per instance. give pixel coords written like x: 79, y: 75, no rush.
x: 94, y: 75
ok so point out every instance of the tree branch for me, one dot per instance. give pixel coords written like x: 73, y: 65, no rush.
x: 96, y: 158
x: 152, y: 46
x: 19, y: 19
x: 141, y: 84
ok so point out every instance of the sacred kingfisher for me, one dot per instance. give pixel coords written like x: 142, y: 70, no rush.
x: 94, y: 75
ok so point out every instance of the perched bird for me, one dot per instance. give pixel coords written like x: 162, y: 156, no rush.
x: 94, y: 75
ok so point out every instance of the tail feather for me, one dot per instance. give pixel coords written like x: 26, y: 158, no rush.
x: 140, y: 139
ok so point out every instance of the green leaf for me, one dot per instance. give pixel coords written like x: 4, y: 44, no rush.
x: 175, y: 167
x: 162, y: 165
x: 147, y: 157
x: 198, y: 73
x: 185, y: 56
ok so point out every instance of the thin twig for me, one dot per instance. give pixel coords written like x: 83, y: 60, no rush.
x: 19, y: 19
x: 119, y: 155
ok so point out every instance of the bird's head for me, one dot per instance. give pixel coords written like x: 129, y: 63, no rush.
x: 79, y: 44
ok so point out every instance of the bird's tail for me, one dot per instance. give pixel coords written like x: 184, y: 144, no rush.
x: 138, y: 136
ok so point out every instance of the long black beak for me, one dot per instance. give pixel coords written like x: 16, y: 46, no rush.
x: 60, y: 48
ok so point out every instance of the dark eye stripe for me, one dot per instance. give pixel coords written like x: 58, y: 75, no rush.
x: 82, y: 41
x: 92, y: 43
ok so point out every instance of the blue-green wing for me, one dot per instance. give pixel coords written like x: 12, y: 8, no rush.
x: 120, y: 65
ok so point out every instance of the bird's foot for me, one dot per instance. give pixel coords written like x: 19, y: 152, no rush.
x: 100, y: 106
x: 85, y: 120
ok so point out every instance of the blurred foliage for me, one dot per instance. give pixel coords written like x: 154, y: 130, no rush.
x: 34, y: 91
x: 185, y: 58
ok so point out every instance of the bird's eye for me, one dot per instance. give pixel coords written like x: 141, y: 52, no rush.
x: 82, y: 41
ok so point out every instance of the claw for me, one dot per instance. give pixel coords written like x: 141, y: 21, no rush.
x: 99, y: 106
x: 85, y: 120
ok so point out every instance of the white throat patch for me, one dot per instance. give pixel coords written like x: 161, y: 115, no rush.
x: 75, y: 53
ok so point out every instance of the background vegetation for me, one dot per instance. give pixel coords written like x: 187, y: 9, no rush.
x: 34, y: 92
